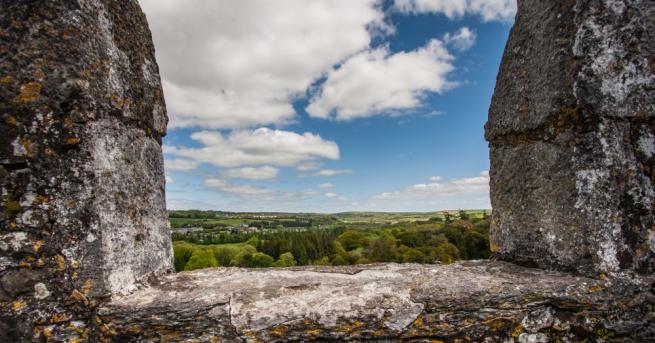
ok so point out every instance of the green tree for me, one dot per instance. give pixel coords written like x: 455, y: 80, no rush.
x: 225, y: 254
x: 201, y: 258
x: 239, y: 259
x: 446, y: 253
x: 413, y: 255
x: 353, y: 239
x: 383, y: 249
x: 182, y: 252
x: 254, y: 241
x: 323, y: 261
x: 338, y: 260
x: 257, y: 260
x: 286, y: 260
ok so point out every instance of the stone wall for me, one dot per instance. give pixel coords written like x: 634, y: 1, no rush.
x: 572, y: 138
x: 81, y: 171
x: 84, y: 237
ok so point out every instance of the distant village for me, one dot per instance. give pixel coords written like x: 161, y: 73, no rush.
x: 243, y: 228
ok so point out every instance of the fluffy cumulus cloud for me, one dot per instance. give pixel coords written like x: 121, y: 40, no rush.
x: 251, y: 173
x: 488, y: 10
x: 332, y: 172
x: 438, y: 188
x: 227, y: 187
x: 307, y: 166
x: 377, y: 81
x: 259, y: 147
x: 325, y: 185
x: 236, y: 64
x: 180, y: 164
x: 461, y: 40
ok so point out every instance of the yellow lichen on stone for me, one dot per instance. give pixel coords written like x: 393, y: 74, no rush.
x: 79, y: 297
x: 12, y: 207
x: 497, y: 324
x: 6, y: 79
x: 280, y: 330
x: 72, y: 141
x: 11, y: 120
x: 313, y: 331
x: 68, y: 122
x: 61, y: 263
x: 37, y: 245
x: 351, y: 327
x: 517, y: 330
x: 253, y: 337
x: 18, y: 305
x: 60, y: 318
x: 134, y: 329
x: 595, y: 288
x: 29, y: 92
x: 493, y: 247
x: 47, y: 332
x: 88, y: 284
x: 27, y: 144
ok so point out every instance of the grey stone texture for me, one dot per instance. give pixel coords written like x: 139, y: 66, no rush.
x: 572, y: 138
x: 85, y: 247
x: 83, y: 212
x: 474, y: 301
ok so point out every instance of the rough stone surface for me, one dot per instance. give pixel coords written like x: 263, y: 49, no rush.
x: 81, y: 172
x: 572, y: 138
x: 471, y: 301
x: 84, y: 237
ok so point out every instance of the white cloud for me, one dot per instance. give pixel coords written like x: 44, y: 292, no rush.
x: 488, y: 10
x: 307, y: 166
x: 461, y: 40
x: 180, y: 164
x: 378, y: 82
x: 251, y: 173
x: 259, y: 147
x: 224, y: 186
x: 325, y: 185
x: 189, y: 204
x: 169, y: 180
x: 331, y: 195
x: 437, y: 188
x: 332, y: 172
x: 237, y: 64
x: 435, y: 178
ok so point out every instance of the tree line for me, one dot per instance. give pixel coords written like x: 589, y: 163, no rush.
x: 426, y: 242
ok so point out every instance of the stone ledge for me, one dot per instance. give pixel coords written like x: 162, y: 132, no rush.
x: 474, y: 300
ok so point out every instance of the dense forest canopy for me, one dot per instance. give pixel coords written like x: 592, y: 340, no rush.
x: 286, y: 240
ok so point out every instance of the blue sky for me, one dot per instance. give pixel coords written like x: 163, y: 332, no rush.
x: 328, y: 105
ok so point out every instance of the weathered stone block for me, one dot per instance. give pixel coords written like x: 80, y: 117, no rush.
x: 81, y: 170
x: 475, y: 301
x: 572, y: 138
